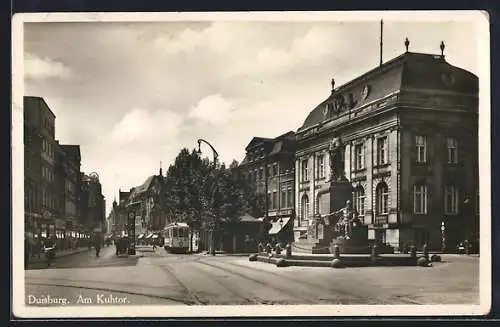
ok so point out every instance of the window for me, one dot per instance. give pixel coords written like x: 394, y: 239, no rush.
x: 275, y: 200
x: 359, y: 157
x: 283, y: 199
x: 382, y: 193
x: 359, y: 200
x: 420, y: 199
x: 320, y: 166
x: 451, y: 200
x: 290, y: 197
x: 421, y: 148
x: 275, y: 169
x: 382, y: 150
x: 452, y: 150
x: 305, y: 207
x: 304, y: 171
x: 261, y: 173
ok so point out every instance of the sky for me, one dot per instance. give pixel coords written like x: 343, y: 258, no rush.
x: 132, y: 94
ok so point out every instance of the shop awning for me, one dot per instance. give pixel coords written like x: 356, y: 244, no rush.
x: 140, y: 236
x: 278, y: 225
x: 154, y: 236
x: 149, y: 236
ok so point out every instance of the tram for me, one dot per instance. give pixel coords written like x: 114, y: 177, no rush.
x: 176, y: 236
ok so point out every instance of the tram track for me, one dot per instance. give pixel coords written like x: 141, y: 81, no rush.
x: 189, y: 294
x: 309, y: 299
x: 321, y: 288
x: 235, y: 291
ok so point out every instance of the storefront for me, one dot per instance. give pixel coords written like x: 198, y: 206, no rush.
x: 282, y: 227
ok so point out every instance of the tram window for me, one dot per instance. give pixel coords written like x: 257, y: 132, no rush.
x: 175, y: 232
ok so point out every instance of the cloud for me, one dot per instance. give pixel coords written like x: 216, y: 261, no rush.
x: 213, y: 109
x: 141, y: 125
x: 38, y: 69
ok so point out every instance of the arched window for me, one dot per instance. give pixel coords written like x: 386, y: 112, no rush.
x: 382, y: 193
x: 305, y: 207
x: 359, y: 200
x: 420, y: 198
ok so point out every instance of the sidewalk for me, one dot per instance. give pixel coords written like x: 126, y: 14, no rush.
x: 59, y: 254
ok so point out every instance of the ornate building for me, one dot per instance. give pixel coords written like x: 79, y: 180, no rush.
x: 268, y: 167
x: 410, y: 132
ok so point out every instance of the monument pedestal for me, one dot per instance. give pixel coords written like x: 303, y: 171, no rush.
x: 331, y: 200
x: 356, y: 244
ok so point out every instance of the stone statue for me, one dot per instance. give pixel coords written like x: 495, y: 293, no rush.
x: 335, y: 151
x: 348, y: 219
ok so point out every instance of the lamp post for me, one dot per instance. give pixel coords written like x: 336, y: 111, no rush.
x: 216, y: 155
x: 281, y: 227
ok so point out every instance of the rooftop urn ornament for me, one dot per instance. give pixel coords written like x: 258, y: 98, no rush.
x: 407, y: 44
x: 442, y: 49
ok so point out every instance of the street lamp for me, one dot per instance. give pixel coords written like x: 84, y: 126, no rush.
x: 216, y: 155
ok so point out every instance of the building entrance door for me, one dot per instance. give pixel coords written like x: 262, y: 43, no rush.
x: 380, y: 236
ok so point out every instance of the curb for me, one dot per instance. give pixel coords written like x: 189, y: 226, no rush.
x: 58, y: 255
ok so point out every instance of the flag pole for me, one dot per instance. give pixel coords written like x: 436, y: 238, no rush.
x: 381, y: 39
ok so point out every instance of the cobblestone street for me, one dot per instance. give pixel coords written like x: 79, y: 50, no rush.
x: 161, y: 278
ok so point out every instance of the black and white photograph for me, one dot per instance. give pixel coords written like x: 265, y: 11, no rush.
x: 251, y: 164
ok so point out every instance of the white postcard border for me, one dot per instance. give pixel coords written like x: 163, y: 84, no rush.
x: 18, y: 285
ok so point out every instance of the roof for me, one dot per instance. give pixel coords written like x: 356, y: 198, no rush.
x: 278, y: 144
x: 29, y: 98
x: 248, y: 218
x: 71, y: 150
x: 408, y: 71
x: 257, y: 140
x: 143, y: 188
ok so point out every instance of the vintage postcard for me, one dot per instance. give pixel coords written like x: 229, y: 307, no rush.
x: 251, y: 164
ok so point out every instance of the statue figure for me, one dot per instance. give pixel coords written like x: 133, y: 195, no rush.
x: 335, y: 151
x: 348, y: 219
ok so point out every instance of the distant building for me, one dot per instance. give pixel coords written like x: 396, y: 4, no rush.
x: 151, y: 212
x: 67, y: 191
x: 92, y: 203
x: 268, y: 167
x: 118, y: 215
x: 410, y: 130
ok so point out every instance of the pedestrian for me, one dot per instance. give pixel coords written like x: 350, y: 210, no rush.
x: 97, y: 244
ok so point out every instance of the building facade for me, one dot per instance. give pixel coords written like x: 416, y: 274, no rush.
x: 39, y: 163
x: 150, y: 212
x: 410, y: 131
x: 67, y: 173
x: 268, y: 167
x: 92, y: 203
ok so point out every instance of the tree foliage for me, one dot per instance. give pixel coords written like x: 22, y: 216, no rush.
x: 205, y: 194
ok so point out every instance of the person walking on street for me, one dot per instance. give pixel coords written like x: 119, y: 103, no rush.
x: 97, y: 244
